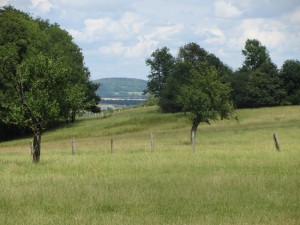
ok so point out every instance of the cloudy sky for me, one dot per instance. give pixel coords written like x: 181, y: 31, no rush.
x: 116, y: 36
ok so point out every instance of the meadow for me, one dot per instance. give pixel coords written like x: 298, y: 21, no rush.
x: 235, y: 176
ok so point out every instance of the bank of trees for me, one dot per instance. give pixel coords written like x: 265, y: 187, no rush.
x: 195, y: 81
x: 257, y: 83
x: 198, y: 82
x: 43, y: 79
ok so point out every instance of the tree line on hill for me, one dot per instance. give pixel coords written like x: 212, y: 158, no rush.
x: 43, y: 79
x: 198, y: 82
x: 257, y: 83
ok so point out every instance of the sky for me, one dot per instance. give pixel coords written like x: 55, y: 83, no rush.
x: 117, y: 36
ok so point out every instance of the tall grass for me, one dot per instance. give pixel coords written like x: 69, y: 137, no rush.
x: 235, y: 177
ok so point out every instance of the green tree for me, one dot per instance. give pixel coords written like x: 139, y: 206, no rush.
x: 60, y: 46
x: 179, y: 76
x: 43, y: 79
x: 290, y: 74
x: 161, y: 64
x: 263, y: 90
x: 194, y: 54
x: 34, y: 99
x: 255, y: 54
x: 257, y: 83
x: 239, y: 81
x: 205, y: 96
x: 189, y: 56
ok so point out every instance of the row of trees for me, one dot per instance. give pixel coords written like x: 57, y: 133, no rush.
x: 43, y: 79
x: 197, y: 81
x: 193, y: 82
x: 259, y: 83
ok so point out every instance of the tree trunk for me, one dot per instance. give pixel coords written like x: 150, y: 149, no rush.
x: 194, y: 129
x: 36, y: 147
x: 73, y: 116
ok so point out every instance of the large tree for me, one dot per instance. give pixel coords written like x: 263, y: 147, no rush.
x: 255, y: 54
x: 161, y: 64
x: 257, y: 83
x: 194, y: 54
x: 189, y: 56
x: 34, y: 99
x: 43, y: 79
x: 205, y: 96
x: 179, y: 76
x: 290, y: 74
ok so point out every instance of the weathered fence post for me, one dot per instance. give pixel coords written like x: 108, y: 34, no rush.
x: 31, y: 147
x: 152, y: 141
x: 276, y: 142
x: 111, y: 146
x: 193, y: 141
x: 73, y: 146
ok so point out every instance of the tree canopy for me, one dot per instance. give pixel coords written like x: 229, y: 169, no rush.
x: 200, y: 83
x: 257, y: 82
x: 205, y: 96
x: 168, y: 74
x: 290, y: 75
x: 161, y: 64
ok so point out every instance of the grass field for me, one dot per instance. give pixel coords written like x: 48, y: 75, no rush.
x: 235, y: 176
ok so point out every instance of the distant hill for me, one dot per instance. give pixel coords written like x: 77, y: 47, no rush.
x: 123, y: 88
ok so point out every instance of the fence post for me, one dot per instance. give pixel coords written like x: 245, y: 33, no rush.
x: 276, y: 142
x: 73, y: 146
x: 111, y: 146
x: 152, y: 141
x: 193, y: 141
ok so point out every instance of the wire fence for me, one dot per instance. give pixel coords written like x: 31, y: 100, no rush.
x: 151, y: 142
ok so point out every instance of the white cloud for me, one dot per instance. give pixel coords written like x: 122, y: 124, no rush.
x: 165, y: 32
x: 42, y: 5
x: 294, y: 16
x: 226, y: 9
x: 3, y: 2
x: 107, y: 28
x: 141, y: 48
x: 144, y: 45
x: 268, y: 32
x: 211, y: 35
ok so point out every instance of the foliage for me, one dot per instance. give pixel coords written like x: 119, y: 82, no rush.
x: 290, y: 75
x: 161, y: 65
x: 194, y: 54
x: 42, y: 75
x: 167, y: 85
x: 205, y: 96
x: 255, y: 54
x: 257, y: 83
x: 263, y: 90
x: 150, y: 101
x: 169, y: 98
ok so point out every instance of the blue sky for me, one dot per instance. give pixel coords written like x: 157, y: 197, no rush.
x: 116, y: 36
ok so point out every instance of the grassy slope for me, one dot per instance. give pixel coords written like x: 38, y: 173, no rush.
x: 235, y: 176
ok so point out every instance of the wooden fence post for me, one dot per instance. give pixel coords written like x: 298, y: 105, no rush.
x: 276, y: 142
x: 152, y: 141
x: 193, y: 141
x: 73, y: 146
x: 111, y: 146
